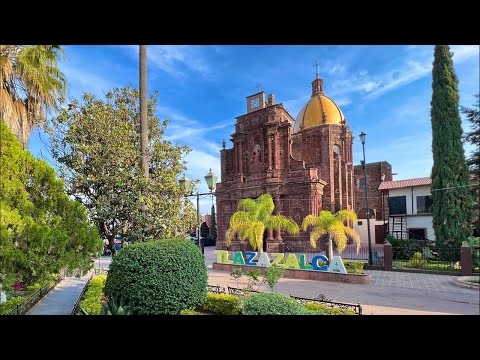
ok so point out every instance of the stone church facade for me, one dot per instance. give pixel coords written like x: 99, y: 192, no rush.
x: 305, y: 164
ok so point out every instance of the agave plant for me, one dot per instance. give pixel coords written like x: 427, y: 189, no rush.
x: 112, y: 308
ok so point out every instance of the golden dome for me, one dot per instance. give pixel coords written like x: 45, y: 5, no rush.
x: 319, y: 110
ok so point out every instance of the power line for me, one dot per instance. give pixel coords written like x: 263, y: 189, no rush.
x: 455, y: 187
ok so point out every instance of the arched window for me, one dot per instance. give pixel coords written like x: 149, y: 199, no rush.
x: 337, y: 150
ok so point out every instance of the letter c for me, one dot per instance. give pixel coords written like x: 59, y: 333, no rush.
x: 315, y: 263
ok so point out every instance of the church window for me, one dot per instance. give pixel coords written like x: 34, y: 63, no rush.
x: 336, y: 149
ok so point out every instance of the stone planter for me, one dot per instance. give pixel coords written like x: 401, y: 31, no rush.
x: 304, y: 274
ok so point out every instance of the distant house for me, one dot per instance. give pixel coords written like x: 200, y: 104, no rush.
x: 408, y: 212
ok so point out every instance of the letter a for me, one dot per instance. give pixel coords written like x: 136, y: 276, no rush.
x: 238, y: 259
x: 292, y: 262
x: 263, y: 260
x: 336, y: 265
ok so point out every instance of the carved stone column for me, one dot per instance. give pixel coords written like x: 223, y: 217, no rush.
x: 269, y: 147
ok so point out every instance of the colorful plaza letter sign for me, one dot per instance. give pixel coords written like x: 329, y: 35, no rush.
x: 291, y: 261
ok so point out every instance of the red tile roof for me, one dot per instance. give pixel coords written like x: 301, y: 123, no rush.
x: 397, y: 184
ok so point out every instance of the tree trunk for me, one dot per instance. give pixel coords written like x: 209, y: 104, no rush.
x: 330, y: 249
x: 111, y: 242
x: 143, y: 109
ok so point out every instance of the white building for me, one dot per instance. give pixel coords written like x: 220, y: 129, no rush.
x: 409, y: 204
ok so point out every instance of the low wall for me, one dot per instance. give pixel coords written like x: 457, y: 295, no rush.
x: 304, y: 274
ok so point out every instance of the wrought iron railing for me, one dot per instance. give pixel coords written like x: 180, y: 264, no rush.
x: 349, y: 253
x: 321, y: 299
x: 76, y: 306
x: 330, y: 303
x: 424, y: 255
x: 476, y: 259
x: 216, y: 289
x: 35, y: 297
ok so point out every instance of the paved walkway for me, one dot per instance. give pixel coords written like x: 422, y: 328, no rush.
x: 61, y: 299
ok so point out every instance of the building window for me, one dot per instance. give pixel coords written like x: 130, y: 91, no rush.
x: 416, y: 234
x: 359, y: 223
x: 397, y: 205
x: 423, y: 204
x: 362, y: 184
x: 336, y: 149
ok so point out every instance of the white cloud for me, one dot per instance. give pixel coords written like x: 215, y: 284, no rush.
x: 343, y: 101
x: 80, y: 81
x: 177, y: 60
x: 418, y: 63
x: 464, y: 52
x: 336, y: 69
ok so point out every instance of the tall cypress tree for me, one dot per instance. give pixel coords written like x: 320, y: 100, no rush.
x: 452, y: 200
x: 213, y: 224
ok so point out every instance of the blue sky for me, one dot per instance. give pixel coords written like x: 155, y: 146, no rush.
x: 384, y: 91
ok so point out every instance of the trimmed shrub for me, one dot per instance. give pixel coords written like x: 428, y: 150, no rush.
x: 8, y: 306
x: 92, y: 300
x: 223, y: 304
x: 272, y: 304
x: 159, y: 277
x: 353, y: 267
x: 319, y: 309
x: 417, y: 261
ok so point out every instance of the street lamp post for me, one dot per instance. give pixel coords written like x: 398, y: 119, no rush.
x: 362, y: 139
x: 185, y: 184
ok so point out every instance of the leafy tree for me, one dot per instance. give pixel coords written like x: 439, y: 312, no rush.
x: 30, y: 85
x: 334, y: 227
x: 253, y: 217
x: 41, y: 230
x: 97, y: 145
x: 473, y: 137
x: 452, y: 200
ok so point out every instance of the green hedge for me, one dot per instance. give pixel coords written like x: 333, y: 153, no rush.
x: 272, y: 304
x: 353, y: 267
x: 159, y: 277
x: 223, y: 304
x: 320, y: 309
x: 8, y: 306
x: 92, y: 302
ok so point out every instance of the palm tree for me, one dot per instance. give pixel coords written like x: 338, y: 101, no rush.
x: 253, y: 217
x: 334, y: 226
x: 30, y: 85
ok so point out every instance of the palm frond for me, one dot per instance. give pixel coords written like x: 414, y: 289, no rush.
x: 337, y: 233
x: 284, y: 223
x: 238, y: 217
x: 7, y: 112
x: 6, y: 70
x: 316, y: 234
x: 247, y: 205
x: 352, y: 234
x: 309, y: 220
x: 345, y: 215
